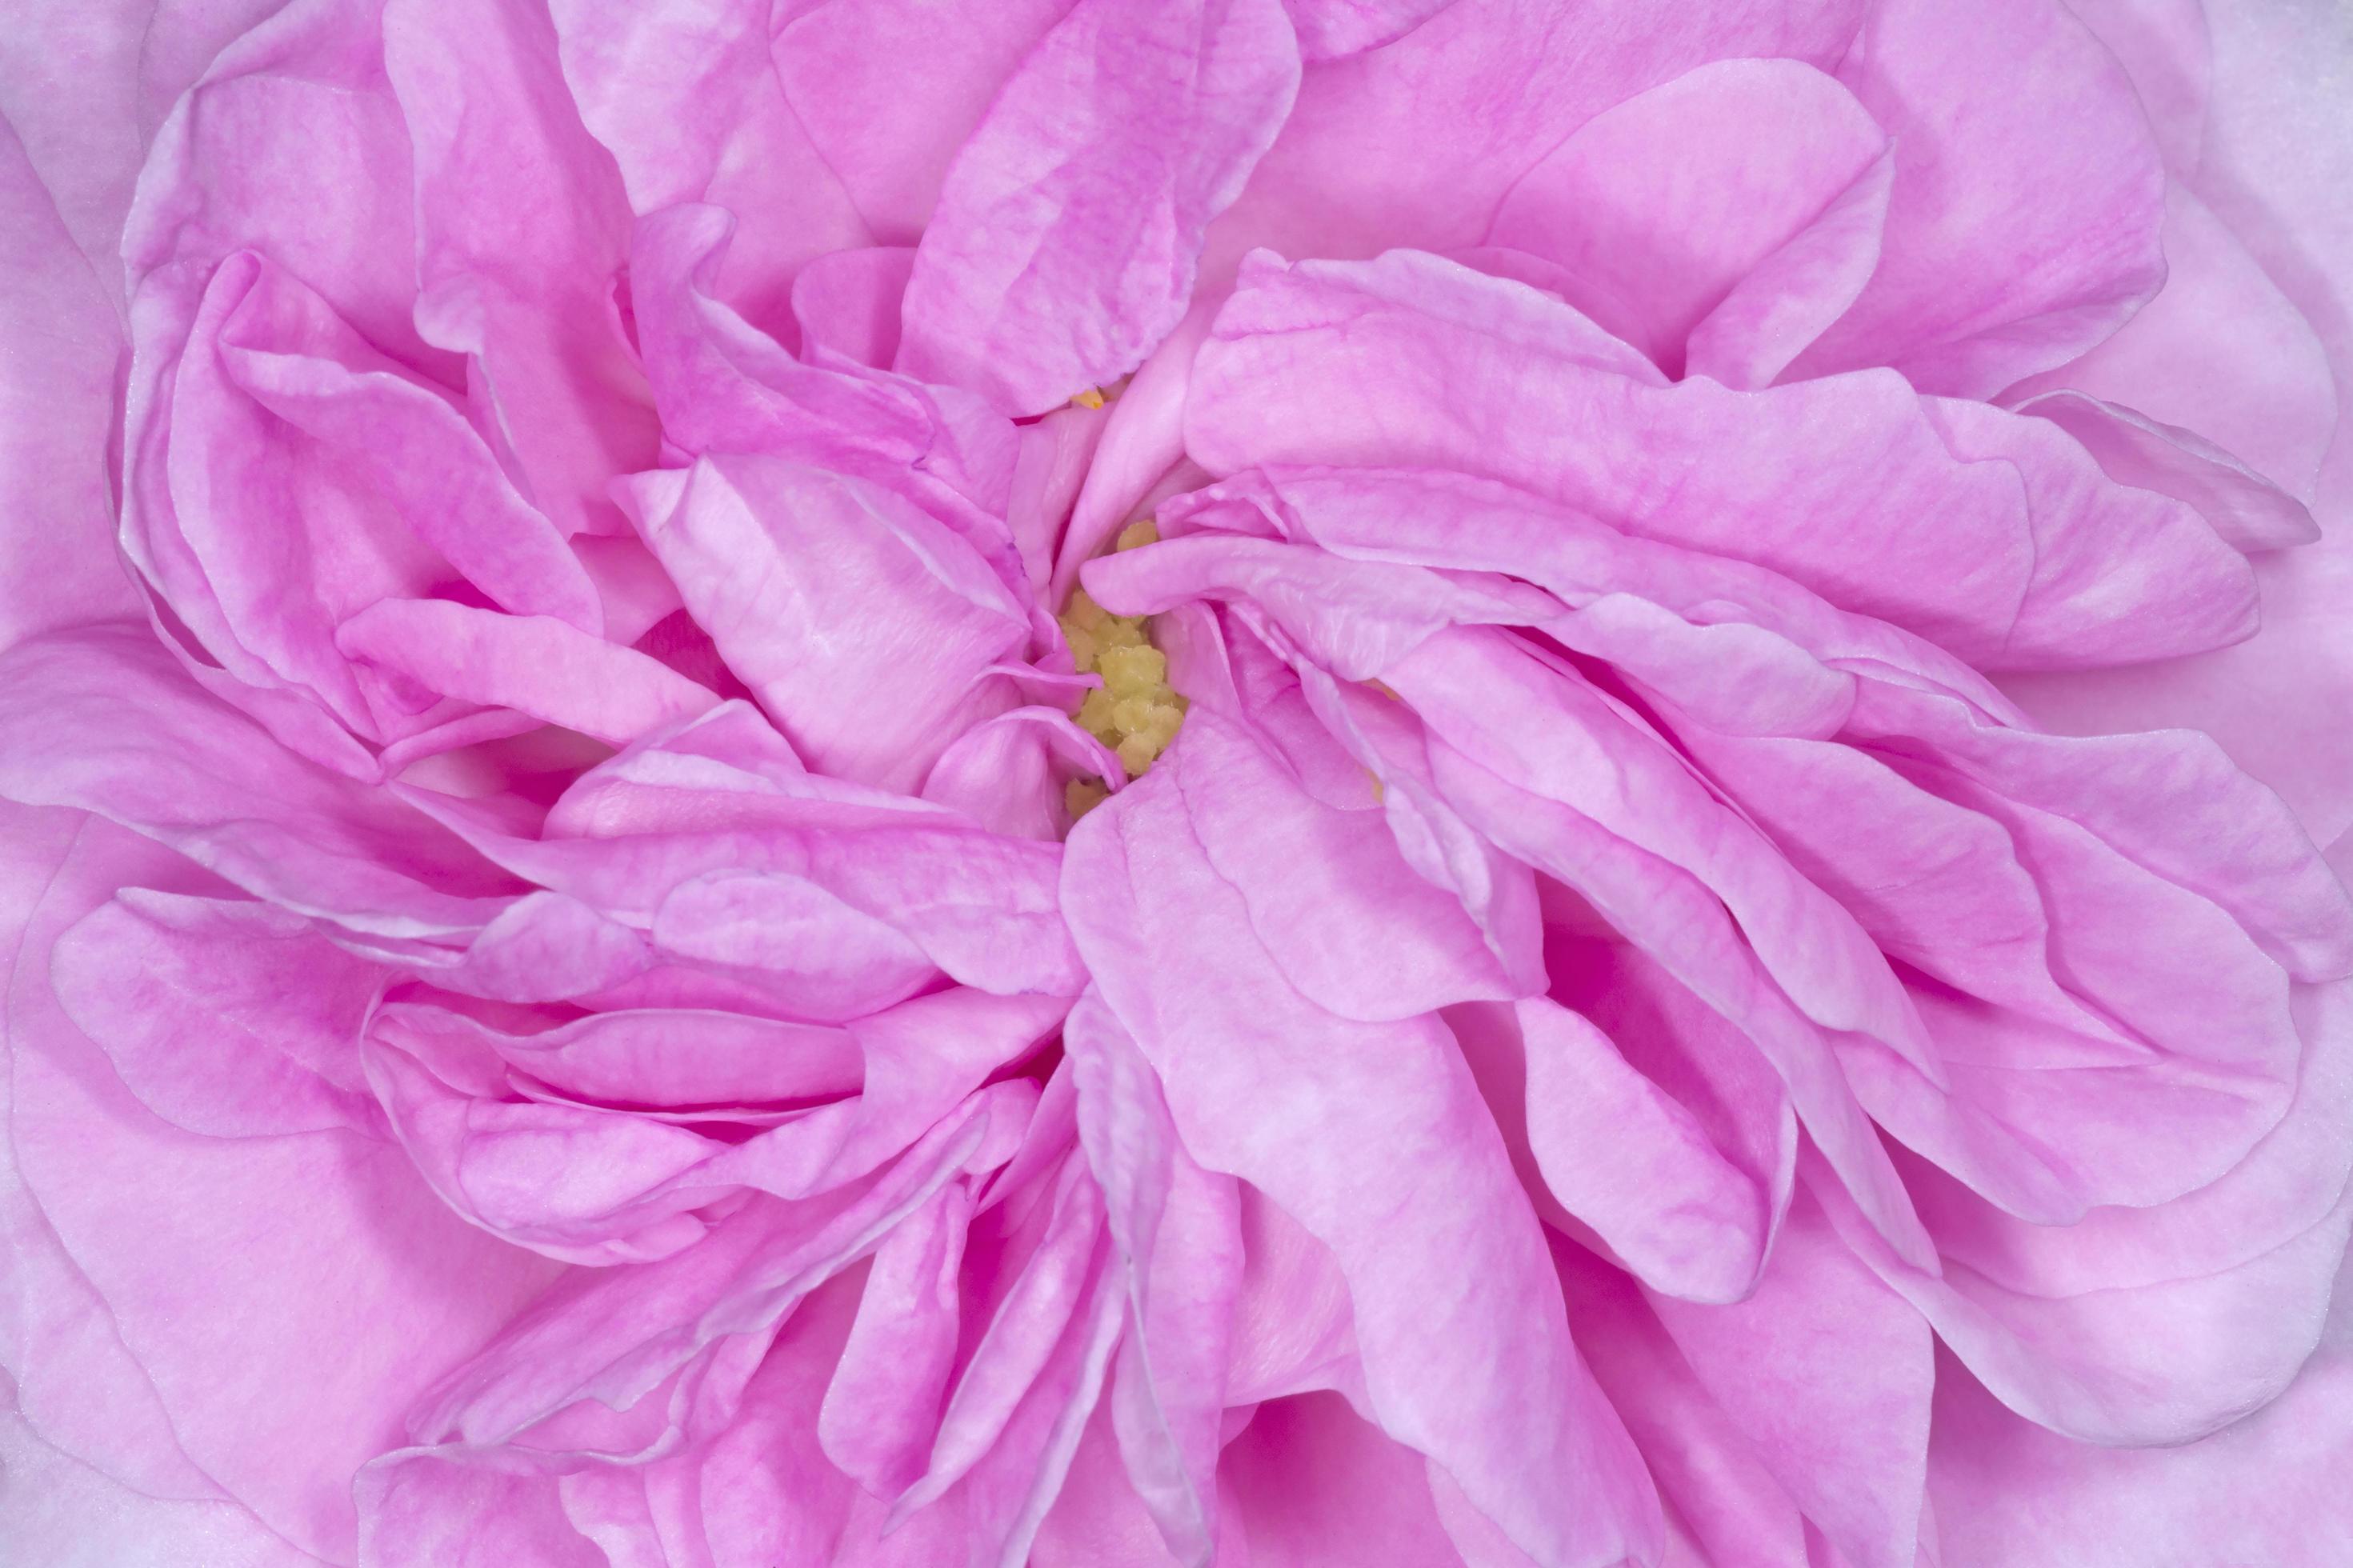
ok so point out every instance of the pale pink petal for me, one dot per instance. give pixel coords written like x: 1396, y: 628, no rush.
x: 59, y: 344
x: 2023, y: 224
x: 1667, y: 201
x: 375, y: 1287
x: 2221, y: 352
x: 55, y: 1508
x: 1070, y: 225
x: 2247, y: 509
x: 686, y: 97
x: 906, y: 622
x: 522, y: 235
x: 1414, y: 143
x: 1334, y: 1102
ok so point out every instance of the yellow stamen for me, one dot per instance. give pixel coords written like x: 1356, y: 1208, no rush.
x: 1136, y: 712
x: 1092, y: 397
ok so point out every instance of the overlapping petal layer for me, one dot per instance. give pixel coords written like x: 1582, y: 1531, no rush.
x: 592, y: 980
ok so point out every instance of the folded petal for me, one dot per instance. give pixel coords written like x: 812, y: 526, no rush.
x: 688, y: 101
x: 867, y: 628
x: 1667, y: 201
x: 1265, y: 1084
x: 2023, y: 224
x: 1414, y: 143
x: 1070, y: 225
x: 102, y: 719
x: 522, y: 235
x: 1408, y: 360
x: 375, y: 1287
x: 535, y: 664
x: 2247, y: 509
x: 1179, y: 1234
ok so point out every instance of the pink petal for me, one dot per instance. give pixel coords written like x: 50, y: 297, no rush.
x: 523, y: 230
x: 1330, y: 1104
x: 903, y: 620
x: 58, y: 345
x: 1626, y: 1158
x: 888, y: 1388
x: 1411, y: 362
x: 890, y: 92
x: 1070, y: 225
x: 228, y: 1019
x: 376, y: 1288
x: 535, y: 664
x: 1179, y: 1232
x: 1827, y: 1373
x: 1415, y: 143
x: 1332, y: 29
x: 688, y: 101
x: 2023, y: 224
x: 1669, y: 199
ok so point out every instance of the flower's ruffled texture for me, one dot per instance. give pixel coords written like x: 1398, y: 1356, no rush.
x: 1731, y: 961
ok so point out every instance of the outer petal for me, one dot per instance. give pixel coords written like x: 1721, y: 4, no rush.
x: 1665, y: 202
x: 53, y: 1509
x: 2010, y: 1494
x: 2132, y: 449
x: 372, y: 1288
x: 2023, y: 226
x: 1415, y: 143
x: 59, y: 344
x: 2125, y: 1341
x: 1069, y: 228
x: 2220, y: 351
x: 103, y: 719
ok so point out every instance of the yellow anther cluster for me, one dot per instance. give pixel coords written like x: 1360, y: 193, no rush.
x: 1135, y: 712
x: 1097, y: 396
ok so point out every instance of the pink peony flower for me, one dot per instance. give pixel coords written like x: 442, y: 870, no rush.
x: 1226, y: 782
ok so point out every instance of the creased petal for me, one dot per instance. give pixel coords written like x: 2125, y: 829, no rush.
x: 1069, y: 228
x: 2023, y: 224
x: 1333, y: 1100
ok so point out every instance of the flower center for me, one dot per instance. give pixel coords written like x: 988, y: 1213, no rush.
x: 1136, y: 712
